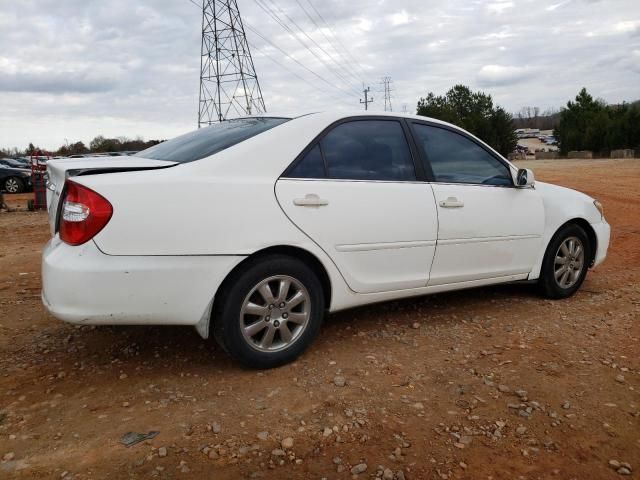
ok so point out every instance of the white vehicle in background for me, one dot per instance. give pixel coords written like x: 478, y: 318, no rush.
x: 251, y: 229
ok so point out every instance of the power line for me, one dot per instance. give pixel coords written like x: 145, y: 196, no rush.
x: 301, y: 30
x: 340, y: 54
x: 337, y: 39
x: 332, y: 85
x: 299, y: 77
x: 273, y: 45
x: 274, y: 15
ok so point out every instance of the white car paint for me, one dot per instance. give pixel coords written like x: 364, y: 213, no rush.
x: 176, y: 233
x: 59, y: 170
x: 496, y: 231
x: 386, y: 251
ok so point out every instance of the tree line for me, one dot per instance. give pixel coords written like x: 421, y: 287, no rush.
x: 475, y: 112
x: 589, y: 124
x: 584, y: 124
x: 99, y: 144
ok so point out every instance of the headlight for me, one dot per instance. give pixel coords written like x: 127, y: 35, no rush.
x: 599, y: 207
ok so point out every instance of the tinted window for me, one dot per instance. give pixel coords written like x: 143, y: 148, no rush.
x: 456, y: 159
x: 311, y: 166
x: 210, y: 140
x: 368, y: 150
x: 12, y: 163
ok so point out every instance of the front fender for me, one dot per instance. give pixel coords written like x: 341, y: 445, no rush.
x: 563, y: 205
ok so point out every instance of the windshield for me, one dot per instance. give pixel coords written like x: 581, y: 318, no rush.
x: 210, y: 140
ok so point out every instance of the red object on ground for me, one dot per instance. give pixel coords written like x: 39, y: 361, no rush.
x: 39, y: 180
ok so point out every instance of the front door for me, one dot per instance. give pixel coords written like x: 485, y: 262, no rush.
x: 488, y: 228
x: 355, y: 194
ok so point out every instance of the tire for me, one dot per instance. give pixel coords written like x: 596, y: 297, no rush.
x: 253, y: 328
x: 14, y: 185
x: 557, y: 280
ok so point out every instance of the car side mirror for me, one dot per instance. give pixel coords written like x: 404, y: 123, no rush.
x: 525, y: 178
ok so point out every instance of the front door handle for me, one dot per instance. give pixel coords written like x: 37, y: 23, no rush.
x: 452, y: 202
x: 310, y: 200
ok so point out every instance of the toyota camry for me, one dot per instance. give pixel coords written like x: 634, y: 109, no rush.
x: 252, y: 229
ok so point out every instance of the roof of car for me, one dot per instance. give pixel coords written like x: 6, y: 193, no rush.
x: 334, y: 115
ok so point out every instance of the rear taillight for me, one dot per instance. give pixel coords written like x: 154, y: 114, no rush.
x: 84, y: 213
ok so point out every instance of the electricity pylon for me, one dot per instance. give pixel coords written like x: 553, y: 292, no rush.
x: 229, y: 85
x: 386, y: 81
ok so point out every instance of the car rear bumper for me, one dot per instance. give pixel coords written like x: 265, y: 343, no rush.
x: 83, y: 285
x: 603, y: 234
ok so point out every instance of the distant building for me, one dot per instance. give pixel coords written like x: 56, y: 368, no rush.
x: 527, y: 132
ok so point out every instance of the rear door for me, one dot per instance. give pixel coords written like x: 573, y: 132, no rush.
x: 355, y: 193
x: 488, y: 228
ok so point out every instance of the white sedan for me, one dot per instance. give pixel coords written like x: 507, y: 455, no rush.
x: 253, y: 228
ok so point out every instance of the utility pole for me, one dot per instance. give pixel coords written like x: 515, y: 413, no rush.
x: 404, y: 108
x: 366, y: 100
x: 229, y: 85
x: 386, y: 81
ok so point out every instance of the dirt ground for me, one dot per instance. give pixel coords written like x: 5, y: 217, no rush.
x: 493, y: 383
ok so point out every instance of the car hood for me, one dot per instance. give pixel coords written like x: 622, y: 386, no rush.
x: 558, y: 191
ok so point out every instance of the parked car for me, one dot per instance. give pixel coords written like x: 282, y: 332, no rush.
x: 275, y: 221
x: 14, y: 180
x: 13, y: 163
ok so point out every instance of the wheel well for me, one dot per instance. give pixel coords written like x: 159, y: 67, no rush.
x: 303, y: 255
x: 591, y: 234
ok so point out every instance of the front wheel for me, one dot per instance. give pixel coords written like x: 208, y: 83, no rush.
x: 269, y: 311
x: 566, y: 262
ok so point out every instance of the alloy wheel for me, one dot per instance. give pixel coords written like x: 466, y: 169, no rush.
x: 569, y: 262
x: 11, y: 185
x: 275, y: 313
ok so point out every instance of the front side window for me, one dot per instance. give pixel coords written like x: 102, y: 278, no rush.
x: 456, y: 159
x: 368, y: 150
x: 208, y: 141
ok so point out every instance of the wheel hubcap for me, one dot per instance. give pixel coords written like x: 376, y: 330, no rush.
x: 11, y: 186
x: 275, y: 313
x: 569, y: 262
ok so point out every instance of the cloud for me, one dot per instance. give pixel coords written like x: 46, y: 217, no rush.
x: 500, y: 75
x: 499, y: 7
x: 54, y: 83
x: 627, y: 26
x: 399, y: 18
x: 555, y: 6
x: 76, y: 68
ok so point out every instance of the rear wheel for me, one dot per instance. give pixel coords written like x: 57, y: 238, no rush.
x: 565, y: 263
x: 14, y: 185
x: 269, y: 311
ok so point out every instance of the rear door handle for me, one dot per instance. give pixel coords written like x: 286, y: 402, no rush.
x: 310, y: 200
x: 452, y: 202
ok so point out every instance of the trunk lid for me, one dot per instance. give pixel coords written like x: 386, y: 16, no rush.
x: 59, y: 170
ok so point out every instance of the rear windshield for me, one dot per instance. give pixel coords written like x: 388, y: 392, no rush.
x: 210, y: 140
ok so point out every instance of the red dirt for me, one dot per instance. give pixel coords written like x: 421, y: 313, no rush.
x: 67, y: 393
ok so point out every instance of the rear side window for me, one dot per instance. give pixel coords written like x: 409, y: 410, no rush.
x: 210, y: 140
x: 368, y: 150
x: 362, y: 150
x: 456, y: 159
x: 311, y: 165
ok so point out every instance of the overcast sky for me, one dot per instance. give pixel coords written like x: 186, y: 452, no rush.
x: 73, y: 69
